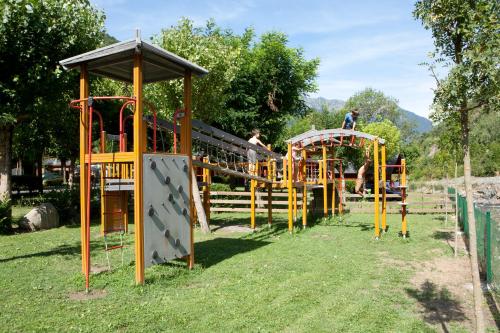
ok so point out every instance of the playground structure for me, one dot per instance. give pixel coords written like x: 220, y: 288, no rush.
x: 161, y: 182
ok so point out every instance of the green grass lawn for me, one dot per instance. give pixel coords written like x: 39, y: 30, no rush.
x: 332, y: 277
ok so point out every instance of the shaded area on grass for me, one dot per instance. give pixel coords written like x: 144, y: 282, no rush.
x: 492, y: 305
x: 65, y: 249
x: 439, y: 307
x: 443, y: 235
x: 213, y: 251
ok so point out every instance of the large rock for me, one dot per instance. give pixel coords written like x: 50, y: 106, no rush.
x: 42, y: 217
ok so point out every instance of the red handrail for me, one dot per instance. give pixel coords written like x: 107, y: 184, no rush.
x: 122, y: 126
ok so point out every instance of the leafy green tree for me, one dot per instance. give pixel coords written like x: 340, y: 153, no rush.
x: 387, y: 131
x: 251, y: 83
x: 217, y: 50
x: 375, y: 106
x: 270, y: 87
x: 34, y: 36
x: 466, y: 40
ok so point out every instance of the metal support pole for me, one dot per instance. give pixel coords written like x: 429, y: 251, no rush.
x: 290, y: 188
x: 294, y: 204
x: 384, y: 200
x: 376, y: 188
x: 138, y: 185
x: 84, y: 94
x: 270, y: 173
x: 206, y: 190
x: 186, y: 148
x: 403, y: 194
x: 253, y: 185
x: 333, y: 181
x: 325, y: 183
x: 304, y: 188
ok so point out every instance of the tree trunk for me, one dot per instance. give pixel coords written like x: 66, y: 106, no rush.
x: 476, y: 282
x: 39, y: 170
x: 63, y: 169
x: 5, y: 162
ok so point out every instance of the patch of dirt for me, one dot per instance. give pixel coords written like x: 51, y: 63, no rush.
x: 443, y: 288
x: 97, y: 269
x: 233, y: 228
x: 84, y: 296
x: 448, y: 237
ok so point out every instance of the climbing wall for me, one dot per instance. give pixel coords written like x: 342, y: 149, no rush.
x: 166, y: 208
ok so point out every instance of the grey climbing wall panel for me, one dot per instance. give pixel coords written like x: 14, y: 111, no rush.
x: 166, y: 208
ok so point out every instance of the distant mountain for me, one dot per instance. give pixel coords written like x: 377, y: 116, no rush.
x: 317, y: 102
x: 423, y: 124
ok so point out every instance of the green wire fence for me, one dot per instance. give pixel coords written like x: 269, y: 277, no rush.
x: 487, y: 234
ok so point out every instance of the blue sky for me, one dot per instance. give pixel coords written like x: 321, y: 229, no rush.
x: 360, y: 43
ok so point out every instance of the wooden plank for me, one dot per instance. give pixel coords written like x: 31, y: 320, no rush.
x: 111, y: 157
x: 247, y: 202
x: 246, y: 210
x: 247, y: 194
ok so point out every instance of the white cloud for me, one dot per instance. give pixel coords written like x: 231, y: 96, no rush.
x: 413, y: 93
x: 341, y: 53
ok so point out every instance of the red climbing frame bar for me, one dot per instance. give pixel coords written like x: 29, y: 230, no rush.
x: 122, y: 124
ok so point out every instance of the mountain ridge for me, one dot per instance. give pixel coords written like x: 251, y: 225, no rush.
x: 423, y: 124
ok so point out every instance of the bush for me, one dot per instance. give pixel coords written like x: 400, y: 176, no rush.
x: 5, y: 216
x: 67, y: 203
x: 219, y: 187
x: 350, y: 186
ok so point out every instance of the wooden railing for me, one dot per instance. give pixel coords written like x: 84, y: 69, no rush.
x: 418, y: 202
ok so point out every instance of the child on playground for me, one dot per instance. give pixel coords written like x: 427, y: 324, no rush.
x: 361, y: 173
x: 350, y: 120
x: 252, y: 154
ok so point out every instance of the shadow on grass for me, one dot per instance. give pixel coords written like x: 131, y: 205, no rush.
x: 492, y: 305
x: 438, y: 305
x: 214, y: 251
x: 339, y: 222
x: 65, y: 249
x: 443, y: 235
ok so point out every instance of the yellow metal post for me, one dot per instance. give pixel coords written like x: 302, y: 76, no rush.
x: 84, y: 94
x: 294, y: 204
x: 304, y: 188
x: 253, y: 185
x: 404, y: 229
x: 103, y: 184
x: 384, y: 200
x: 138, y: 186
x: 290, y: 187
x: 325, y: 183
x: 206, y: 190
x: 333, y: 181
x: 376, y: 188
x: 186, y: 148
x: 269, y: 190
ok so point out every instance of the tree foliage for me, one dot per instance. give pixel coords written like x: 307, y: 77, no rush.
x: 373, y: 106
x: 251, y: 82
x: 466, y: 39
x: 387, y: 131
x: 467, y: 43
x: 34, y: 89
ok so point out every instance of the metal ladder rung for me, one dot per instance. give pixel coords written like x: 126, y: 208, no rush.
x: 115, y: 247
